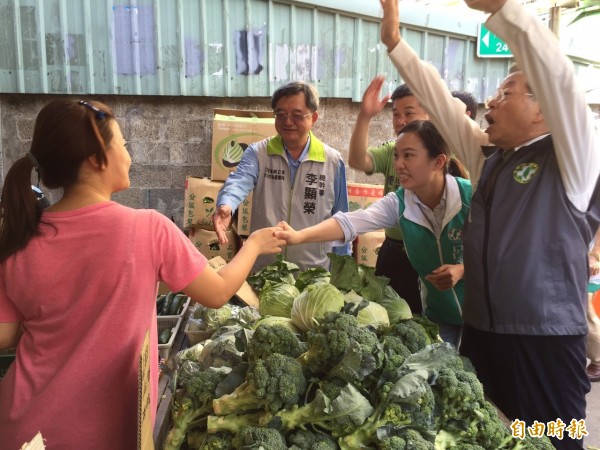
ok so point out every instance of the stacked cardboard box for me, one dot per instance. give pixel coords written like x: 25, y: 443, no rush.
x: 233, y: 131
x: 361, y: 195
x: 366, y: 246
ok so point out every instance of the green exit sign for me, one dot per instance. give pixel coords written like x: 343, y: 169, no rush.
x: 491, y: 46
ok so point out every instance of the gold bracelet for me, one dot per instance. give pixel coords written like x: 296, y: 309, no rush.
x: 595, y: 255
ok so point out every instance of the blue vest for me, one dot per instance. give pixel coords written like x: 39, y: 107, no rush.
x: 525, y: 244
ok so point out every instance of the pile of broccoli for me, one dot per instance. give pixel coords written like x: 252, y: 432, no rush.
x: 341, y: 386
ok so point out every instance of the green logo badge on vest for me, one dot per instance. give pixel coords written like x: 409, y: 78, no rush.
x: 524, y: 173
x: 455, y: 234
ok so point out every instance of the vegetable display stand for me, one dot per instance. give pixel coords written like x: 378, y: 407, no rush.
x: 196, y: 336
x: 163, y: 412
x: 170, y: 326
x: 6, y: 359
x: 172, y: 304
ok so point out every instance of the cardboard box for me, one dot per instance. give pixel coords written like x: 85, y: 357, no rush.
x: 200, y: 202
x: 233, y: 130
x: 244, y: 212
x: 246, y: 294
x: 362, y: 195
x: 207, y: 243
x: 367, y: 247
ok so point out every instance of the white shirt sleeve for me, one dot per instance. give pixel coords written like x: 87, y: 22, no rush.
x: 551, y: 76
x: 381, y: 214
x: 447, y: 113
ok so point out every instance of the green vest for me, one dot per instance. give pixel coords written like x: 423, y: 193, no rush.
x: 427, y: 252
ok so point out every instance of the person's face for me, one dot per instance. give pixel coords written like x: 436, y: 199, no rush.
x: 293, y: 119
x: 405, y: 110
x: 512, y: 113
x: 118, y: 159
x: 414, y: 168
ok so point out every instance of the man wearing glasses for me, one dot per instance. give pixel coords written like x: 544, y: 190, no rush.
x: 296, y: 178
x: 533, y: 214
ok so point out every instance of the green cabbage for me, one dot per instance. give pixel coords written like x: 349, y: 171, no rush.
x: 352, y: 297
x: 373, y: 315
x: 344, y: 272
x: 373, y: 285
x: 396, y: 306
x: 280, y: 271
x: 276, y: 320
x: 313, y: 303
x: 313, y: 275
x: 276, y: 299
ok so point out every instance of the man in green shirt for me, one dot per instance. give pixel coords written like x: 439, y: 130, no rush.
x: 392, y: 261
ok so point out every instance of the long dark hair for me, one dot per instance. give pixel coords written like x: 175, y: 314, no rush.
x: 66, y: 133
x: 435, y: 145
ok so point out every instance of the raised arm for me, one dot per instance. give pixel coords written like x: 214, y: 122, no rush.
x: 562, y: 101
x: 447, y: 113
x: 370, y: 106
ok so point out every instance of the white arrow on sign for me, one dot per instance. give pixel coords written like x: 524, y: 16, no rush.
x: 486, y: 39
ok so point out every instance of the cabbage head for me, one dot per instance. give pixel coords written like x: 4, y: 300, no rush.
x: 396, y: 306
x: 373, y: 315
x: 276, y: 320
x: 313, y: 303
x: 276, y: 299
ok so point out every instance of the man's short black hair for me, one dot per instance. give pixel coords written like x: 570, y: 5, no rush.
x: 401, y: 92
x: 468, y: 99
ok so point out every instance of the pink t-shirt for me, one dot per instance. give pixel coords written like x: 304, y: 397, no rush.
x: 85, y: 291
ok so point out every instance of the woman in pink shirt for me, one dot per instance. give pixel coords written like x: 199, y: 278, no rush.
x: 78, y: 285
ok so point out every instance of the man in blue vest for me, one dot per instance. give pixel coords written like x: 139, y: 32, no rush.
x: 534, y: 212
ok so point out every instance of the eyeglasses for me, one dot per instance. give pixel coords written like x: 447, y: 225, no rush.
x: 297, y: 118
x: 501, y: 95
x: 99, y: 114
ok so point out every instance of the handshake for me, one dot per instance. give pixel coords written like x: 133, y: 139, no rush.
x: 272, y: 239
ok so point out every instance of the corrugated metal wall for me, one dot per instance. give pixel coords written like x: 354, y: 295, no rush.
x: 221, y: 48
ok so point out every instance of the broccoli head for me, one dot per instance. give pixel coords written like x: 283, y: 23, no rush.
x: 271, y: 384
x: 248, y: 438
x: 466, y: 417
x: 338, y: 415
x: 432, y: 328
x: 407, y: 439
x: 341, y: 348
x: 409, y: 402
x: 268, y: 339
x: 461, y: 393
x: 413, y: 335
x: 395, y: 353
x: 533, y: 443
x: 193, y: 403
x: 301, y: 439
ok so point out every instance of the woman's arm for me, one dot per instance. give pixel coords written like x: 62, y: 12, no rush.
x: 326, y: 231
x: 10, y: 332
x: 214, y: 289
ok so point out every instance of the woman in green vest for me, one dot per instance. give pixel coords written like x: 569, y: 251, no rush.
x: 430, y: 207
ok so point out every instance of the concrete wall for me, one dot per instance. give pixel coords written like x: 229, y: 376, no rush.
x: 171, y: 138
